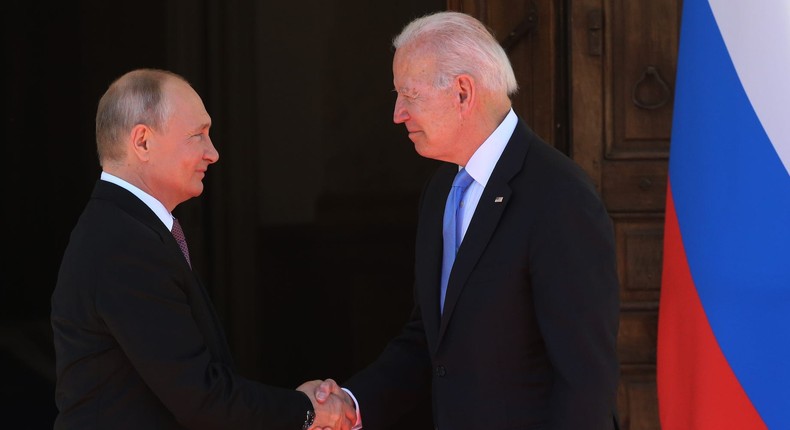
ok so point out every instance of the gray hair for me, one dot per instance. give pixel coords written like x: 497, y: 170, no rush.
x: 462, y: 45
x: 135, y: 98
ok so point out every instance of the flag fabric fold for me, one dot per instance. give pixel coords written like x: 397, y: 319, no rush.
x: 724, y: 316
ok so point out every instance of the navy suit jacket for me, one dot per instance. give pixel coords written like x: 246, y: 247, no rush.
x: 528, y: 335
x: 138, y: 344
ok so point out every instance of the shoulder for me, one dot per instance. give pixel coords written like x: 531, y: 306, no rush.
x: 550, y: 176
x: 543, y: 164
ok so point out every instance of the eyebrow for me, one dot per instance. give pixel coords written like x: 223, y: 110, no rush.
x: 199, y: 129
x: 406, y: 90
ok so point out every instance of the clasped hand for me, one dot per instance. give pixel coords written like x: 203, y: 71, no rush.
x: 334, y: 408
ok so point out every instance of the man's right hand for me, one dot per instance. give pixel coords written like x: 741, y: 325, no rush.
x: 334, y: 409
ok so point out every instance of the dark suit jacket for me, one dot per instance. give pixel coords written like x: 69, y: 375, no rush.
x: 138, y: 344
x: 528, y: 335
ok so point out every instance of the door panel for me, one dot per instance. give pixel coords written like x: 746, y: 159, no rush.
x: 633, y: 185
x: 642, y: 38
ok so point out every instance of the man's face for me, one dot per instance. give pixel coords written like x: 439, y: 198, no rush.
x: 181, y: 151
x: 431, y: 116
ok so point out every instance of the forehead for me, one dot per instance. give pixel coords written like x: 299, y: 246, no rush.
x: 412, y: 68
x: 185, y: 103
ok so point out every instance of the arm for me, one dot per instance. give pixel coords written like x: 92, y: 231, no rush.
x: 396, y: 380
x: 163, y: 323
x: 576, y: 293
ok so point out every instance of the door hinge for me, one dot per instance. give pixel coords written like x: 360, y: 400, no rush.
x: 595, y: 32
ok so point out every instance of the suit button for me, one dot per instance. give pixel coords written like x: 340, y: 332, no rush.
x: 440, y: 371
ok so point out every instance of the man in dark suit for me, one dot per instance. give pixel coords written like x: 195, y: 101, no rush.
x: 138, y: 344
x: 520, y: 331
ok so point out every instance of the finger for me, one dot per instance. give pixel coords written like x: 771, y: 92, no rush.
x: 329, y: 382
x: 324, y: 389
x: 351, y: 415
x: 322, y: 392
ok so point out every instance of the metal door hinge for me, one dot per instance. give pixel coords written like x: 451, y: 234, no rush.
x: 595, y: 32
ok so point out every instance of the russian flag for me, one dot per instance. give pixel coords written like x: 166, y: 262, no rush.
x: 724, y: 319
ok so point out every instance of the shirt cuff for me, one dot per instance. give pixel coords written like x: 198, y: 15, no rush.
x: 358, y: 424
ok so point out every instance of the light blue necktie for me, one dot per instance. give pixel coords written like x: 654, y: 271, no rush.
x: 453, y: 226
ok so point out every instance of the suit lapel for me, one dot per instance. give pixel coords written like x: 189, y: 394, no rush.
x: 429, y: 248
x: 485, y: 220
x: 139, y: 210
x: 198, y: 295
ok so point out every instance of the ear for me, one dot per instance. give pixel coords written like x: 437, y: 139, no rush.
x: 139, y: 138
x: 465, y: 90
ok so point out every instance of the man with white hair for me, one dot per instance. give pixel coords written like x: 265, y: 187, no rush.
x: 516, y: 292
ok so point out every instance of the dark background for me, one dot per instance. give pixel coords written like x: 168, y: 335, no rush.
x: 304, y: 234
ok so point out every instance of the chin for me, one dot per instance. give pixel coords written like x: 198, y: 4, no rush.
x: 198, y: 190
x: 426, y: 152
x: 422, y: 149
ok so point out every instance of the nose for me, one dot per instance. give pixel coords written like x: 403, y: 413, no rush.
x: 400, y: 115
x: 212, y: 155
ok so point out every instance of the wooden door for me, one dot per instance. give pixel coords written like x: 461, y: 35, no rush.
x: 622, y: 75
x: 597, y: 80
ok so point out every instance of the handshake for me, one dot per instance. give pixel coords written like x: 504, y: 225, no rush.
x: 334, y: 408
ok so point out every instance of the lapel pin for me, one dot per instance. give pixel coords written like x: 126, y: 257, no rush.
x: 498, y: 199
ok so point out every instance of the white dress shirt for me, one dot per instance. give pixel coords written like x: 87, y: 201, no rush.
x: 482, y: 164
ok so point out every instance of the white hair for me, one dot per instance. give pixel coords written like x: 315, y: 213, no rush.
x: 461, y: 45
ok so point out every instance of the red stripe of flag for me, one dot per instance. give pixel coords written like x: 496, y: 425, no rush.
x: 697, y: 389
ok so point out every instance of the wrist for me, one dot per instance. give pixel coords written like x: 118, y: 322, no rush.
x: 308, y: 420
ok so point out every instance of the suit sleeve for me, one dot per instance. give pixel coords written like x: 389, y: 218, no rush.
x: 401, y: 376
x: 394, y: 383
x: 576, y: 294
x: 146, y: 304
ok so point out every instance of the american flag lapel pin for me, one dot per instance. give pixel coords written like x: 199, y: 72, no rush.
x: 499, y: 199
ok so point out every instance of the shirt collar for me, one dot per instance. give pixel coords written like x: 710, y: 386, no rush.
x: 485, y: 158
x: 155, y: 205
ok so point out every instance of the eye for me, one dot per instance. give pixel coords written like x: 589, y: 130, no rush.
x: 409, y: 97
x: 200, y: 134
x: 407, y: 94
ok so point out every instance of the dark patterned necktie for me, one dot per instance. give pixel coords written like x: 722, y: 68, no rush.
x: 182, y: 241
